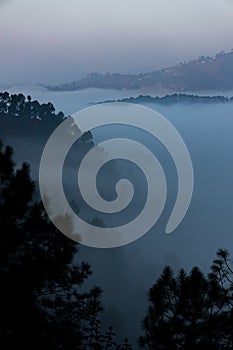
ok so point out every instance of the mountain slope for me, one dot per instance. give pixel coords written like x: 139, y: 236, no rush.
x: 205, y: 73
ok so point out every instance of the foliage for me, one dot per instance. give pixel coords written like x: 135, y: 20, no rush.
x: 190, y: 311
x: 41, y: 301
x: 18, y: 105
x: 177, y: 98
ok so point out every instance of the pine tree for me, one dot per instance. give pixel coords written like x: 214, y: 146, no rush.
x: 188, y: 312
x: 40, y: 300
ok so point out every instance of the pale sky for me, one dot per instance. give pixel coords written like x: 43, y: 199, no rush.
x: 54, y: 41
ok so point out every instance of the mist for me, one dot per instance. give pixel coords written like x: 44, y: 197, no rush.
x: 127, y: 273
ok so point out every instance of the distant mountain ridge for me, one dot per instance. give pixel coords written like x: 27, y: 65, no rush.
x: 205, y: 73
x: 174, y: 99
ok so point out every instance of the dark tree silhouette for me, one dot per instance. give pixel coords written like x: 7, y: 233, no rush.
x: 177, y: 98
x: 40, y: 299
x: 41, y: 302
x: 187, y: 311
x: 17, y: 105
x: 222, y: 270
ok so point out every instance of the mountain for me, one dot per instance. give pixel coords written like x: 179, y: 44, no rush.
x: 174, y: 99
x: 204, y: 73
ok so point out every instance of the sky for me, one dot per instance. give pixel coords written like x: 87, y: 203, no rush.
x: 56, y: 41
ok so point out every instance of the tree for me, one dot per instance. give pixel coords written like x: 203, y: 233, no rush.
x: 222, y: 273
x: 40, y: 300
x: 27, y: 108
x: 222, y: 270
x: 36, y: 109
x: 4, y: 100
x: 187, y: 311
x: 60, y: 115
x: 17, y: 105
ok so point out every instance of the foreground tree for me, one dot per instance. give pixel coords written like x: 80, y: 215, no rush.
x: 222, y: 270
x: 40, y: 299
x: 187, y: 311
x: 41, y: 302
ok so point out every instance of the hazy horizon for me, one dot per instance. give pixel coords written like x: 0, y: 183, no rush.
x: 57, y: 41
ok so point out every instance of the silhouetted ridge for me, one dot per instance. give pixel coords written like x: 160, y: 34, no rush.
x: 204, y: 73
x: 174, y: 99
